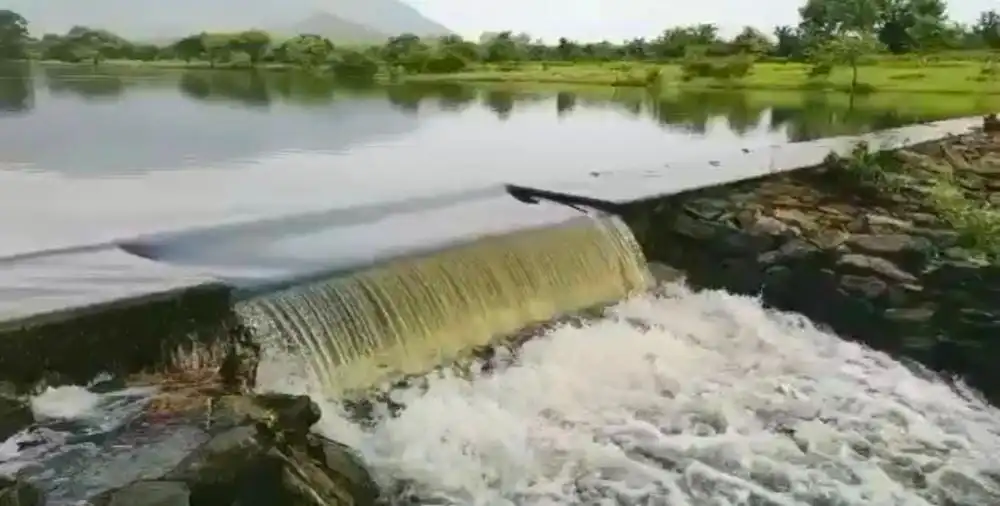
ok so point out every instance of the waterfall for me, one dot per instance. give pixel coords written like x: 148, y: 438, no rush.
x: 408, y: 315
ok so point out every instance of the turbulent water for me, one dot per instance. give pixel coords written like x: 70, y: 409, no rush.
x: 686, y: 398
x: 681, y: 399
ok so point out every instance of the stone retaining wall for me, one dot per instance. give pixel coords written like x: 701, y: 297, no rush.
x: 873, y: 254
x: 186, y: 330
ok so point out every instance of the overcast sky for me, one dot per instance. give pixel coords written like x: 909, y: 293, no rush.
x: 622, y: 19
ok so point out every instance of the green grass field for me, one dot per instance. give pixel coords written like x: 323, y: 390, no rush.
x: 955, y: 76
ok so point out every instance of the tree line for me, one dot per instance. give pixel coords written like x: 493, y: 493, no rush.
x: 829, y: 32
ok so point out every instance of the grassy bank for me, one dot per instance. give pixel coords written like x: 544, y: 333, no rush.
x: 167, y: 64
x: 957, y: 76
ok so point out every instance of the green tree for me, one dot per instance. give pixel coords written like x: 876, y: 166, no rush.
x: 307, y: 51
x: 503, y: 47
x: 909, y: 25
x: 13, y: 36
x: 987, y: 28
x: 789, y: 43
x: 460, y: 47
x: 405, y: 51
x: 637, y: 49
x: 254, y: 43
x: 218, y: 47
x: 190, y: 47
x: 751, y: 41
x: 850, y: 49
x: 568, y: 50
x: 355, y: 66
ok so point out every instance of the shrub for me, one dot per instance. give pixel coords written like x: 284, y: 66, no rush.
x: 821, y: 69
x: 654, y: 77
x: 446, y: 62
x: 721, y: 68
x: 355, y: 66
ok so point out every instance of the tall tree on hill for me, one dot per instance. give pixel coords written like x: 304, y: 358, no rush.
x: 13, y: 36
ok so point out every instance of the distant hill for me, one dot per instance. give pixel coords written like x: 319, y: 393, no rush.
x: 340, y: 20
x: 387, y: 16
x: 333, y: 27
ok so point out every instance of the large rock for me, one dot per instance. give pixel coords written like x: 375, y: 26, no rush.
x: 19, y: 493
x: 147, y: 493
x: 262, y: 453
x: 15, y: 415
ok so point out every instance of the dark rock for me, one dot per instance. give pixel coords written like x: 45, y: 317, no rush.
x: 19, y: 493
x: 146, y: 493
x: 265, y: 455
x: 665, y: 274
x: 876, y: 265
x: 991, y: 124
x: 869, y: 287
x: 15, y: 415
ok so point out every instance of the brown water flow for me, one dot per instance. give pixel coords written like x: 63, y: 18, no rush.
x: 413, y: 314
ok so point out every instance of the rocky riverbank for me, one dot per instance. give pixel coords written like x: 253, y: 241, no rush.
x: 897, y: 249
x: 258, y: 450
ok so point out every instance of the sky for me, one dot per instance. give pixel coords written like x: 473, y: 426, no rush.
x: 624, y: 19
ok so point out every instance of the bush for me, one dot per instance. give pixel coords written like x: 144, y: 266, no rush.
x: 355, y: 66
x: 821, y: 69
x: 654, y: 77
x: 721, y: 68
x: 445, y: 63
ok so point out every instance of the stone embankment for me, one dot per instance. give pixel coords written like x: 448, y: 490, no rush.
x: 896, y: 249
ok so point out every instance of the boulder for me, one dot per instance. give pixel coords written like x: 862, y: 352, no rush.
x: 19, y: 493
x: 146, y: 493
x: 991, y: 124
x: 15, y: 415
x: 261, y: 453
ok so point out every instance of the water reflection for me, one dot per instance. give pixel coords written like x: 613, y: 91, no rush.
x: 16, y: 90
x: 249, y: 89
x: 802, y: 116
x: 86, y: 82
x: 166, y: 119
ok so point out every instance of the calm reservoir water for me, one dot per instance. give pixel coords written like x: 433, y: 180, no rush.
x: 97, y: 155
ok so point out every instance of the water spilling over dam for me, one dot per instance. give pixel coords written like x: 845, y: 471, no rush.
x: 407, y: 316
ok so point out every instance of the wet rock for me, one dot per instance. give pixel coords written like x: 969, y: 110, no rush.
x: 876, y: 265
x: 19, y: 493
x: 260, y: 453
x: 15, y: 415
x: 991, y: 124
x: 146, y: 493
x: 881, y: 224
x: 664, y: 274
x: 869, y: 287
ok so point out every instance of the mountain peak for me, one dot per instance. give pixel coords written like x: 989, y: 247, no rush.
x: 340, y: 20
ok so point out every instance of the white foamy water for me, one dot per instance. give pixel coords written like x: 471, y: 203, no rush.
x: 686, y: 399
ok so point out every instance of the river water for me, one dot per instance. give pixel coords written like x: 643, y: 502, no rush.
x: 680, y: 398
x: 98, y: 155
